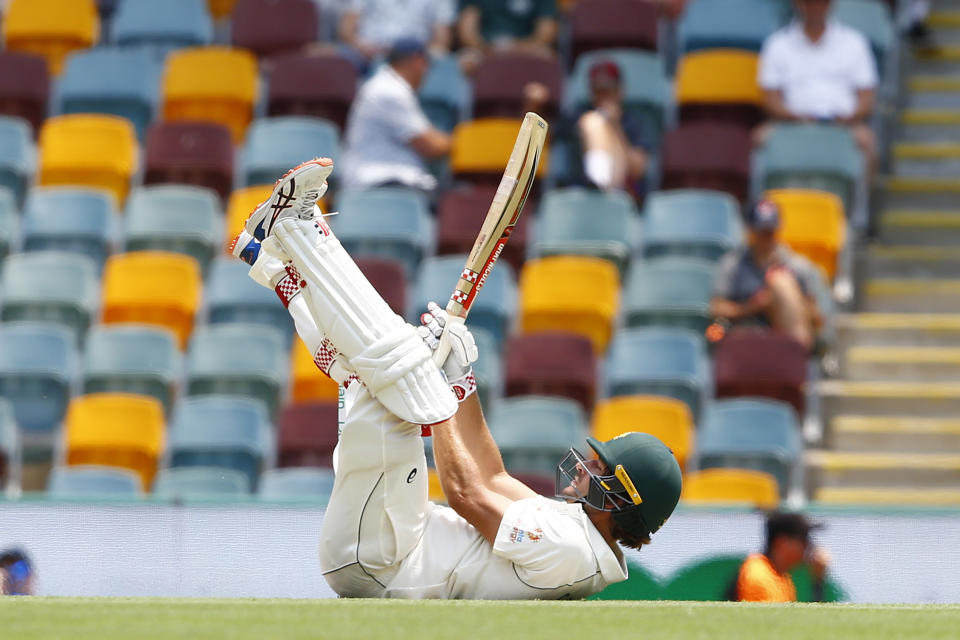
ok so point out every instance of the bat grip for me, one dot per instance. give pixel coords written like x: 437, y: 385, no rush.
x: 443, y: 349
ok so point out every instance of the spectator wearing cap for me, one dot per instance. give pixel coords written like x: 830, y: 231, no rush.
x: 16, y: 573
x: 388, y: 137
x: 369, y: 28
x: 765, y: 577
x: 767, y: 284
x: 614, y: 154
x: 819, y: 70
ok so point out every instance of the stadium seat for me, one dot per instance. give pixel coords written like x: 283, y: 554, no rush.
x: 196, y: 153
x: 691, y: 222
x: 275, y: 145
x: 221, y: 9
x: 386, y: 222
x: 723, y: 486
x: 460, y: 214
x: 297, y: 484
x: 152, y: 287
x: 93, y: 482
x: 812, y: 156
x: 493, y: 308
x: 388, y: 278
x: 9, y: 448
x: 16, y: 155
x: 813, y: 224
x: 165, y: 26
x: 587, y: 223
x: 175, y: 218
x: 88, y: 150
x: 9, y: 222
x: 570, y: 293
x: 200, y: 483
x: 721, y: 85
x: 761, y: 435
x: 488, y: 370
x: 669, y: 292
x: 874, y: 20
x: 668, y: 419
x: 220, y: 431
x: 266, y: 27
x: 434, y: 488
x: 307, y: 383
x: 50, y: 28
x: 36, y: 373
x: 315, y: 86
x: 481, y: 148
x: 238, y: 359
x: 51, y: 286
x: 500, y: 78
x: 551, y: 364
x: 117, y: 430
x: 735, y: 24
x: 233, y: 297
x: 761, y: 362
x: 127, y: 358
x: 76, y: 220
x: 604, y: 24
x: 534, y: 432
x: 707, y: 155
x: 114, y: 81
x: 211, y: 84
x: 307, y: 435
x: 24, y: 87
x: 443, y: 92
x: 660, y: 361
x: 241, y: 204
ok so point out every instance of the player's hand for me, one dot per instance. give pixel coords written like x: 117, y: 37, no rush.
x: 818, y: 562
x: 458, y: 367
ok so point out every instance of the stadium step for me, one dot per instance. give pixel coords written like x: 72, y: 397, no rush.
x: 921, y: 226
x: 921, y: 193
x: 887, y: 397
x: 929, y: 124
x: 881, y: 260
x: 901, y: 363
x: 888, y: 496
x: 867, y: 470
x: 927, y: 159
x: 895, y: 433
x: 903, y: 329
x: 911, y: 294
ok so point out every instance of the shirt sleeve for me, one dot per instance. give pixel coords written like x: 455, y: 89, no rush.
x: 863, y: 66
x: 770, y: 71
x: 752, y: 585
x: 445, y: 12
x: 549, y: 548
x: 723, y: 280
x: 403, y: 115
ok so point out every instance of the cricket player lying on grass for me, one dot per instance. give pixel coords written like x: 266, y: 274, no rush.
x: 381, y: 536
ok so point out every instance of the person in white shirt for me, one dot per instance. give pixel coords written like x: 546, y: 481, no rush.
x: 388, y: 136
x: 371, y: 27
x: 819, y: 70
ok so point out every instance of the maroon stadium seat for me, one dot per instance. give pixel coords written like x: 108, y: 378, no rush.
x: 24, y: 87
x: 307, y: 435
x: 266, y: 27
x: 552, y: 364
x: 500, y: 79
x: 707, y: 155
x: 761, y: 362
x: 321, y: 86
x: 197, y: 153
x: 389, y: 279
x: 460, y: 214
x: 612, y: 24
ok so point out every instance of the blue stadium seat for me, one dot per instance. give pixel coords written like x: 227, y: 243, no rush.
x: 535, y: 432
x: 488, y: 369
x: 296, y: 484
x: 167, y: 25
x: 494, y: 306
x: 93, y: 482
x: 178, y: 218
x: 70, y: 219
x: 444, y: 93
x: 691, y: 222
x: 233, y: 297
x: 17, y: 155
x: 132, y: 359
x: 731, y: 24
x: 669, y: 292
x: 9, y: 447
x: 660, y: 361
x: 387, y: 222
x: 36, y: 372
x: 51, y: 286
x: 9, y: 222
x: 117, y: 81
x: 274, y: 145
x: 200, y: 483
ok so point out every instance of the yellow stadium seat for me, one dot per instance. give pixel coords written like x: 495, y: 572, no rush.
x: 116, y: 429
x: 570, y: 293
x: 718, y: 76
x: 221, y: 8
x: 435, y: 491
x: 89, y: 150
x: 152, y: 287
x: 51, y: 28
x: 483, y: 146
x: 812, y: 224
x: 241, y: 204
x: 307, y: 383
x: 666, y: 418
x: 212, y: 84
x: 731, y: 486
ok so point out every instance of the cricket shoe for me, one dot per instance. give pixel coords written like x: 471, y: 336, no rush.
x: 294, y: 195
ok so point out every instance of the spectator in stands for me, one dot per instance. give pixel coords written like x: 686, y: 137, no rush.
x: 819, y: 70
x: 368, y: 28
x: 767, y: 284
x: 16, y: 573
x: 520, y: 24
x: 388, y: 136
x: 765, y: 577
x: 614, y: 156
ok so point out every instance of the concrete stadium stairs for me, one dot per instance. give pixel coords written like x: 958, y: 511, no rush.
x: 891, y: 418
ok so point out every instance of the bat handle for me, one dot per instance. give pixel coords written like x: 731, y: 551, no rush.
x: 443, y: 349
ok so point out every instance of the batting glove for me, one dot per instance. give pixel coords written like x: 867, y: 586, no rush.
x: 458, y: 367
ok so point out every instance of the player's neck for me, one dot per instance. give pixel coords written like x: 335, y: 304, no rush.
x: 603, y: 521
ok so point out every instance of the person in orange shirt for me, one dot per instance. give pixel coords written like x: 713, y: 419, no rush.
x: 765, y: 577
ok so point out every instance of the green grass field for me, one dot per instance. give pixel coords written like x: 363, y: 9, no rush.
x: 146, y: 619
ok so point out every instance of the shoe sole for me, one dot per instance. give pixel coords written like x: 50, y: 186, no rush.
x: 322, y: 162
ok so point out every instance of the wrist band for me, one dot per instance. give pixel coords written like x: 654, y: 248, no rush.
x: 465, y: 386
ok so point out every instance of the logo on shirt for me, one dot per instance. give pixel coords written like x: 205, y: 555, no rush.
x: 413, y: 474
x: 519, y: 535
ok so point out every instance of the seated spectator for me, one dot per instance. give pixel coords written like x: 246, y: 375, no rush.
x: 16, y: 573
x: 765, y: 283
x: 612, y: 142
x: 527, y: 24
x: 368, y: 28
x: 819, y: 70
x: 388, y: 136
